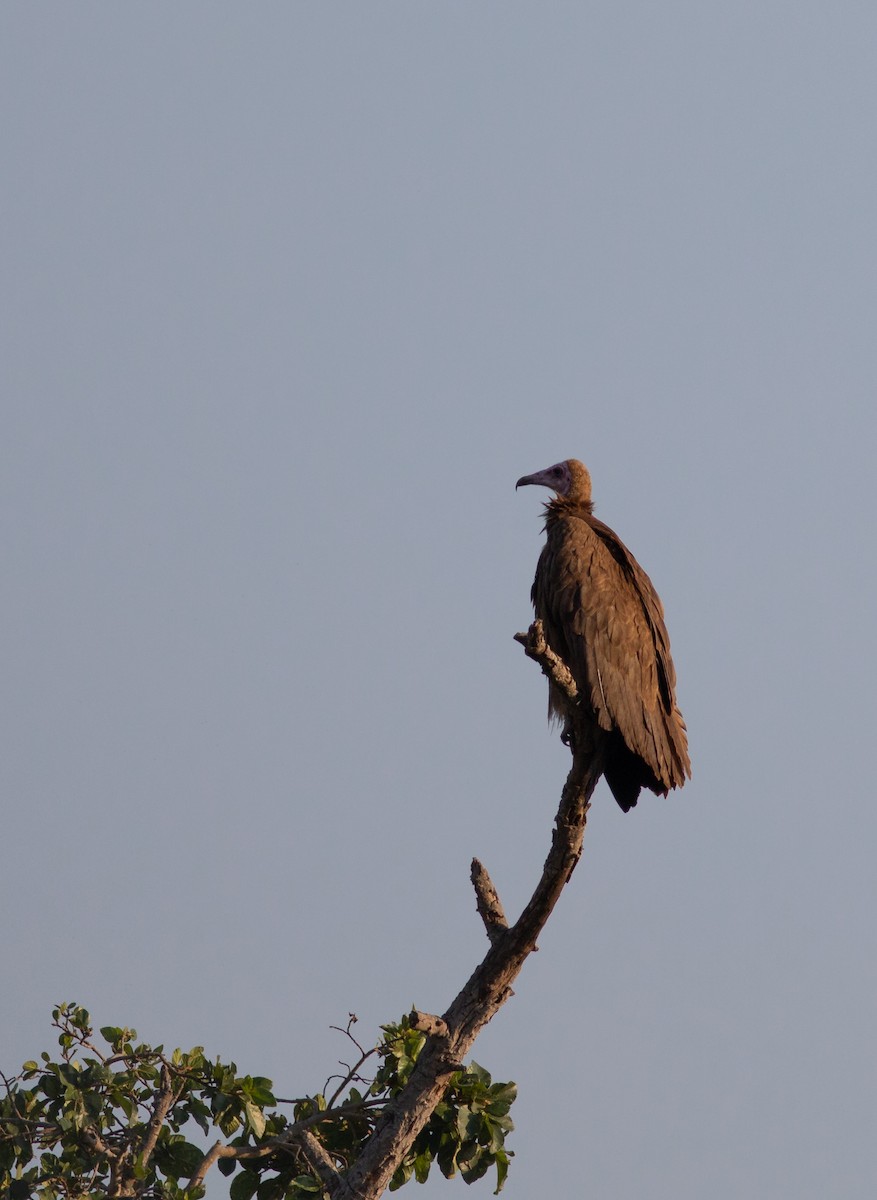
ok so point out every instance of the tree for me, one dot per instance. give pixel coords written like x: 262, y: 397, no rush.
x: 109, y: 1120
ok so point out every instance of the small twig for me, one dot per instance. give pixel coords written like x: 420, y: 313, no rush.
x: 353, y: 1018
x: 8, y: 1083
x: 352, y: 1075
x: 91, y: 1046
x: 490, y: 909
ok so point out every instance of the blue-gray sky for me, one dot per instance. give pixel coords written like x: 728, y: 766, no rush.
x: 292, y: 294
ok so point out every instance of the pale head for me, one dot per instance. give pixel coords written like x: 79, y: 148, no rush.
x: 569, y: 479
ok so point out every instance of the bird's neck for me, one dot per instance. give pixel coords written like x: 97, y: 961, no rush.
x: 566, y: 506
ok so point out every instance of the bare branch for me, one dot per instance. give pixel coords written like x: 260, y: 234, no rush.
x: 490, y: 984
x: 536, y: 647
x: 487, y: 899
x: 352, y: 1076
x: 8, y: 1083
x: 352, y: 1020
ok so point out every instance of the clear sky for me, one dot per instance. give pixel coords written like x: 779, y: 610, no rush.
x: 292, y: 294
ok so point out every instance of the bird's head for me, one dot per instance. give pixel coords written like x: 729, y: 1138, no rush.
x: 569, y: 479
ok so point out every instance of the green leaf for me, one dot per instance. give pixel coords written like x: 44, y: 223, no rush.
x: 243, y: 1186
x: 199, y: 1112
x: 403, y: 1173
x: 261, y: 1091
x: 502, y: 1170
x: 422, y: 1163
x: 478, y: 1072
x: 474, y: 1165
x: 228, y: 1122
x: 270, y: 1189
x: 505, y: 1123
x: 307, y: 1183
x: 255, y: 1118
x: 468, y: 1123
x: 502, y: 1097
x: 185, y: 1159
x: 447, y: 1159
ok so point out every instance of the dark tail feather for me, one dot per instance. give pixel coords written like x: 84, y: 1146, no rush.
x: 627, y: 774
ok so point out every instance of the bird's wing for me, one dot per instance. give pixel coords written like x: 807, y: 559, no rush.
x: 607, y: 622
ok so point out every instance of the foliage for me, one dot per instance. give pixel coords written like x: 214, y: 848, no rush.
x: 113, y: 1121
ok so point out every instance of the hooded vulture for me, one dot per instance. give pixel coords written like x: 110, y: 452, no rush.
x: 601, y: 615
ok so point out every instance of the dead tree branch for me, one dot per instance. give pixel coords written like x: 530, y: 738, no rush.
x: 553, y: 667
x: 489, y: 986
x: 487, y: 899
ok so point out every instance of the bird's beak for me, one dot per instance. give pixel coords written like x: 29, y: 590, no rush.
x: 538, y: 478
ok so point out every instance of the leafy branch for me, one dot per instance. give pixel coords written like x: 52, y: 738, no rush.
x: 111, y: 1120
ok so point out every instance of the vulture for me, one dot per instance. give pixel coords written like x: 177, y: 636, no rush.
x: 602, y: 616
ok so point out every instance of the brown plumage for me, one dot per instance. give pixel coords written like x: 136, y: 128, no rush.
x: 602, y: 616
